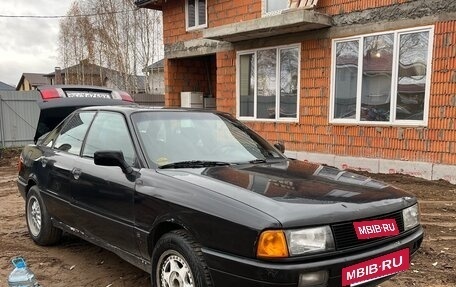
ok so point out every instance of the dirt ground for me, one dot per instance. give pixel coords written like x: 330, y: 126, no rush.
x: 75, y: 262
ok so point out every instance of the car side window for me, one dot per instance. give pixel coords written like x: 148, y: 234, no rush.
x: 109, y: 131
x: 73, y: 132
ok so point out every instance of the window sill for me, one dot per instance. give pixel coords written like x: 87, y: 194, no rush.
x: 284, y: 120
x: 196, y: 28
x: 421, y: 124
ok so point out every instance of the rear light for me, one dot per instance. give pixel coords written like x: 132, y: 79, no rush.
x: 19, y: 164
x: 126, y: 97
x: 123, y: 96
x: 51, y: 93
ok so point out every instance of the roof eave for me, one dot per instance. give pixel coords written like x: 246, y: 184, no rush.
x: 150, y: 4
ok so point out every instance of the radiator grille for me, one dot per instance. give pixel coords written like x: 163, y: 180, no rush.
x: 345, y: 235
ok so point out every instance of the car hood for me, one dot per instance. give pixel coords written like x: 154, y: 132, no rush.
x: 300, y: 193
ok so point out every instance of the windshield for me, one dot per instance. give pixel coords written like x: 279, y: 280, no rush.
x: 171, y: 137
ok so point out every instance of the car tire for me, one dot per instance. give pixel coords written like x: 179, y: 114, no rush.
x: 177, y: 260
x: 39, y: 222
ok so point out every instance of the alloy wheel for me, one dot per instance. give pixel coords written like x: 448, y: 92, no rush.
x: 34, y: 215
x: 174, y: 270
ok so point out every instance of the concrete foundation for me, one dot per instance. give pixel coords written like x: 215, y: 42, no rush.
x: 426, y: 170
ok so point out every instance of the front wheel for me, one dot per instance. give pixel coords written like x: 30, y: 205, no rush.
x: 38, y: 220
x: 177, y: 261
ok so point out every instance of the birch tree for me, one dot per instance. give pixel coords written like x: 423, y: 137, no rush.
x: 117, y: 36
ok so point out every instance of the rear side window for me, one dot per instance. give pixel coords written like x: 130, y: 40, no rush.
x: 109, y: 131
x: 50, y: 138
x: 73, y: 132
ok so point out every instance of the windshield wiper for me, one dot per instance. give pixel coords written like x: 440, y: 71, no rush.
x: 258, y: 160
x: 194, y: 164
x: 264, y: 160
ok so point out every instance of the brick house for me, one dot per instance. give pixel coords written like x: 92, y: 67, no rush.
x: 368, y: 85
x: 30, y: 81
x: 86, y: 73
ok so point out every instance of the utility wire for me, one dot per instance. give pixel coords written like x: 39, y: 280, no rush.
x: 66, y: 16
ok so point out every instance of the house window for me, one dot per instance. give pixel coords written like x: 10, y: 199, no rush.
x: 196, y: 14
x: 274, y: 7
x: 382, y: 78
x: 271, y: 6
x: 268, y: 82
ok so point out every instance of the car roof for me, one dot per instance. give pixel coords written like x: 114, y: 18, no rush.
x: 129, y: 109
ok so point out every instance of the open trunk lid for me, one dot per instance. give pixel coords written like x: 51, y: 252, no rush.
x: 54, y: 111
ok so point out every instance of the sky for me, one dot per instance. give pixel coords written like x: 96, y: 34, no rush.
x: 29, y: 45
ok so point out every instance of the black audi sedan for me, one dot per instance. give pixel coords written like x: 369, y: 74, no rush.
x: 197, y: 199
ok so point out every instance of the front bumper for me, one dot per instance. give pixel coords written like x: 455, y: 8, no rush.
x: 228, y: 270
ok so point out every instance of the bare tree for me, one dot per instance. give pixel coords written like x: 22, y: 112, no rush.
x: 118, y: 36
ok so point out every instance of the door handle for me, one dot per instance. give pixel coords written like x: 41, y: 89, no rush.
x: 76, y: 173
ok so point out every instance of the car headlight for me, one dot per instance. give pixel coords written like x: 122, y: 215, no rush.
x: 285, y: 243
x: 309, y: 240
x: 411, y: 216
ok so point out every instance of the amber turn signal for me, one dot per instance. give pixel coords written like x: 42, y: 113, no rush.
x: 272, y: 244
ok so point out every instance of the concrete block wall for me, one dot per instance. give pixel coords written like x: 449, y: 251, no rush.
x: 426, y: 170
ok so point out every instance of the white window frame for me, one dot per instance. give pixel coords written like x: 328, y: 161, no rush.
x: 392, y: 121
x: 196, y: 27
x: 265, y: 13
x: 277, y: 107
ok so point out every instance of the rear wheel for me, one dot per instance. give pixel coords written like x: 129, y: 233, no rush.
x: 39, y: 222
x: 177, y: 261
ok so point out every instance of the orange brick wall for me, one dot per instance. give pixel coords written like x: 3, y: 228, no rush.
x: 226, y: 82
x: 188, y: 75
x: 174, y: 23
x: 441, y: 132
x: 223, y: 12
x: 332, y: 7
x: 435, y: 143
x: 219, y: 12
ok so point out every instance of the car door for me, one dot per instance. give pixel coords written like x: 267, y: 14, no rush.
x: 103, y: 195
x: 55, y: 174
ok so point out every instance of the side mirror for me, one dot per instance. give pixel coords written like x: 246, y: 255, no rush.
x: 280, y: 147
x: 112, y: 158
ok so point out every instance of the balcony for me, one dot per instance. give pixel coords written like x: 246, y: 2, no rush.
x: 291, y: 21
x: 150, y: 4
